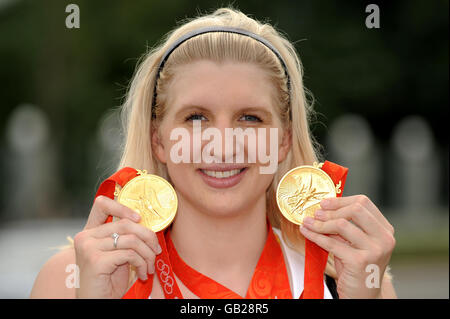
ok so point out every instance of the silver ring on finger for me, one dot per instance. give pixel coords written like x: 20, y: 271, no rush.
x: 115, y: 236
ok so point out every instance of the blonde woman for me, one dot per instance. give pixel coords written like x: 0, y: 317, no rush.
x: 222, y: 70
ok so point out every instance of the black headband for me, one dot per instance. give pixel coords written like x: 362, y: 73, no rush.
x: 194, y: 33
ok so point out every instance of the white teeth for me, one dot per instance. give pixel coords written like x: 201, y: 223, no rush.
x: 221, y: 174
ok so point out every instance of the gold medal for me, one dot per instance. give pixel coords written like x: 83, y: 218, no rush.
x: 301, y: 189
x: 152, y: 197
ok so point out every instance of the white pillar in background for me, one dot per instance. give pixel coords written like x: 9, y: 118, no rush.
x: 32, y: 182
x: 352, y: 144
x: 414, y: 183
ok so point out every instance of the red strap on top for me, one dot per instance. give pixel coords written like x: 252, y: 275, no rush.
x: 315, y: 256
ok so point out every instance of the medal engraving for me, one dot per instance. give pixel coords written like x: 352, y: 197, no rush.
x: 300, y: 191
x: 152, y: 197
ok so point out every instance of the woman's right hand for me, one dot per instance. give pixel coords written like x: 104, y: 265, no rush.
x: 104, y: 270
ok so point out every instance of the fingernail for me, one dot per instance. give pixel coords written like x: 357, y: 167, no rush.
x: 325, y: 203
x: 319, y: 213
x: 159, y: 250
x: 145, y: 277
x: 308, y: 220
x: 136, y: 217
x: 303, y: 229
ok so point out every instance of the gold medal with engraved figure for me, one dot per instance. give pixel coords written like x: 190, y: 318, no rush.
x: 152, y: 197
x: 301, y: 189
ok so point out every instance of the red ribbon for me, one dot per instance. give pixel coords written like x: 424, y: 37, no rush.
x: 315, y: 256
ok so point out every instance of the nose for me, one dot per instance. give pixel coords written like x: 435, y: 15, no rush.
x: 214, y: 141
x: 225, y: 125
x: 232, y: 148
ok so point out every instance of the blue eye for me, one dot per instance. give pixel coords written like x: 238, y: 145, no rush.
x: 251, y: 118
x: 195, y: 117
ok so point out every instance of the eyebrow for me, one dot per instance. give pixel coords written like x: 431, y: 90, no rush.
x: 190, y: 107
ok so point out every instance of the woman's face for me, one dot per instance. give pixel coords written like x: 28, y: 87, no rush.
x: 223, y: 96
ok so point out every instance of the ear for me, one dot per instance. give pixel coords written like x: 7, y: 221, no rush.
x: 157, y: 146
x: 285, y: 145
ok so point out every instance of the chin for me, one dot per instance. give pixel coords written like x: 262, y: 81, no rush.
x: 224, y: 210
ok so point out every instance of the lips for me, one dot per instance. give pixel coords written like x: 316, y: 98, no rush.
x: 222, y: 176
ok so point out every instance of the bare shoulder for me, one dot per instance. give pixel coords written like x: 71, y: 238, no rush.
x: 51, y: 280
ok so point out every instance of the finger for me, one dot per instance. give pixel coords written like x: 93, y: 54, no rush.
x: 113, y: 259
x: 340, y: 239
x: 124, y: 227
x: 332, y: 245
x: 342, y: 227
x: 335, y: 203
x: 133, y: 242
x: 356, y: 213
x: 104, y: 207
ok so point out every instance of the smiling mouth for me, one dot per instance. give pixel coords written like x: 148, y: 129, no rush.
x: 222, y: 174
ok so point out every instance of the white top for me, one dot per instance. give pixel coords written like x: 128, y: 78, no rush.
x: 296, y: 267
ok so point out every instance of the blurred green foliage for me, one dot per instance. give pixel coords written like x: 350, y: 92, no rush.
x: 75, y: 75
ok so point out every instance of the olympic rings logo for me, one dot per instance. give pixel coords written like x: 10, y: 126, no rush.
x: 164, y: 272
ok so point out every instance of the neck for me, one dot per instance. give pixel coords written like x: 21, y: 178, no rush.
x: 221, y: 247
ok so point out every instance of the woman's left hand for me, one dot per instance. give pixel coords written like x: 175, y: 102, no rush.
x: 361, y: 239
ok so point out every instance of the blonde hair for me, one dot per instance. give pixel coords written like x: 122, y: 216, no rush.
x: 218, y: 47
